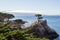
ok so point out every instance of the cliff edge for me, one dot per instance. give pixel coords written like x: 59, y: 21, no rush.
x: 41, y: 29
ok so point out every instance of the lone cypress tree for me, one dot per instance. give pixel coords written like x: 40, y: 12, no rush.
x: 39, y: 16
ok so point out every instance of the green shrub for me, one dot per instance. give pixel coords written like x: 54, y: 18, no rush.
x: 6, y: 34
x: 37, y: 38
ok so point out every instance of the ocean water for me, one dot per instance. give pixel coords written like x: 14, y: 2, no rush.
x: 52, y: 21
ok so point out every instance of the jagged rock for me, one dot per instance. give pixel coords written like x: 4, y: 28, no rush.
x: 41, y: 29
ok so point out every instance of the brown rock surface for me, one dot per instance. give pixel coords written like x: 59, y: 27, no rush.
x: 41, y: 29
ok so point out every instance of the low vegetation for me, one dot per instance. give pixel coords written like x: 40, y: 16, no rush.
x: 6, y: 33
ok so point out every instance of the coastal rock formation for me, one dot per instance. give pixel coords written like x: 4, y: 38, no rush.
x: 41, y: 29
x: 16, y: 24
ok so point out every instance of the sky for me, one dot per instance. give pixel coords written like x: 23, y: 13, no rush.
x: 45, y: 7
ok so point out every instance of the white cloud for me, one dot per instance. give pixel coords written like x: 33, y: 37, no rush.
x: 43, y: 12
x: 23, y: 11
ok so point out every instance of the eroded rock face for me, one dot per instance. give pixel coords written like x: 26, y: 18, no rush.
x: 41, y: 29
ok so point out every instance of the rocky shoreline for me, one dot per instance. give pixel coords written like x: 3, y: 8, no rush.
x: 42, y: 30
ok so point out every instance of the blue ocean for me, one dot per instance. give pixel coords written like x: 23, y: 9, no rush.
x: 52, y: 21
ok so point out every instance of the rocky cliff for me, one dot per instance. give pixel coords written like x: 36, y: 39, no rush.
x: 41, y: 29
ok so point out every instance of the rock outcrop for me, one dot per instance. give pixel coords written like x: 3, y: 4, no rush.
x: 41, y: 29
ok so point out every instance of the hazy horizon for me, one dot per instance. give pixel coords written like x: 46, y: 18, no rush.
x: 44, y: 7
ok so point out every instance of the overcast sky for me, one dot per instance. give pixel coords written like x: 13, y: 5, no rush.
x: 45, y: 7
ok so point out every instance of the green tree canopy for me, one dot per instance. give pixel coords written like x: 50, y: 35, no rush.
x: 5, y: 16
x: 20, y: 21
x: 39, y: 16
